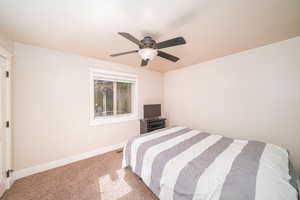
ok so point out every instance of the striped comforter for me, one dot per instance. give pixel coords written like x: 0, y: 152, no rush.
x: 179, y: 163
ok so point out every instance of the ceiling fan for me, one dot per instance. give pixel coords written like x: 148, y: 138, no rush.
x: 148, y: 48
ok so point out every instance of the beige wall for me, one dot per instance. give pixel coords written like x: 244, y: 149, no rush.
x: 51, y: 105
x: 253, y: 95
x: 7, y: 44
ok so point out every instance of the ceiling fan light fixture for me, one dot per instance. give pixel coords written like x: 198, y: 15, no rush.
x: 149, y: 48
x: 147, y: 53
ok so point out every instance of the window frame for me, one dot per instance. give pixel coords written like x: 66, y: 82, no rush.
x: 115, y: 76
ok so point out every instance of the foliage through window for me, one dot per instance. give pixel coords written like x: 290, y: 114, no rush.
x: 113, y: 95
x: 112, y: 98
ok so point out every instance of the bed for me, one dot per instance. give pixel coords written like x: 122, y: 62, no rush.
x: 184, y: 164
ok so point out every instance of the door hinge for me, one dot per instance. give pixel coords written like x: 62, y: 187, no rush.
x: 7, y: 124
x: 7, y: 74
x: 9, y: 172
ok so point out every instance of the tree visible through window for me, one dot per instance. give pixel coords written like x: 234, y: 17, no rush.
x: 123, y: 98
x: 112, y: 98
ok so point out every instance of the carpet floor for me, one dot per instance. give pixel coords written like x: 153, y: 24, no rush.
x: 96, y: 178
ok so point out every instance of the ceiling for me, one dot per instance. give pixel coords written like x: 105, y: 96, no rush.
x: 212, y: 28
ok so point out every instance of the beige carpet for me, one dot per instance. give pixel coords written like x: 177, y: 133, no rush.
x: 100, y: 177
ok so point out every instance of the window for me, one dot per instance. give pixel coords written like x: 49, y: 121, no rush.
x: 113, y: 97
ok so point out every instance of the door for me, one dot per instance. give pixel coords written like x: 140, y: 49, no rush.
x: 4, y: 111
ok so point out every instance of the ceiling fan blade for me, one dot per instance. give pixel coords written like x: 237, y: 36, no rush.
x: 167, y: 56
x: 131, y: 38
x: 127, y: 52
x: 171, y: 42
x: 144, y: 62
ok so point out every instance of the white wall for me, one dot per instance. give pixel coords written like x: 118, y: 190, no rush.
x: 51, y: 105
x: 252, y: 95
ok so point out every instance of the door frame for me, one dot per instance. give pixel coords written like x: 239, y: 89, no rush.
x: 8, y: 136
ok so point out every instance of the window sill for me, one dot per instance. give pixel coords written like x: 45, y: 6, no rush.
x: 112, y: 120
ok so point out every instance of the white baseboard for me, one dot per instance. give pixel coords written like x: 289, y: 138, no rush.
x: 2, y: 187
x: 57, y: 163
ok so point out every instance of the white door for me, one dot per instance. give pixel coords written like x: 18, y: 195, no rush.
x: 4, y: 146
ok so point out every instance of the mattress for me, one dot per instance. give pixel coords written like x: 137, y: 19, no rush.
x: 180, y: 163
